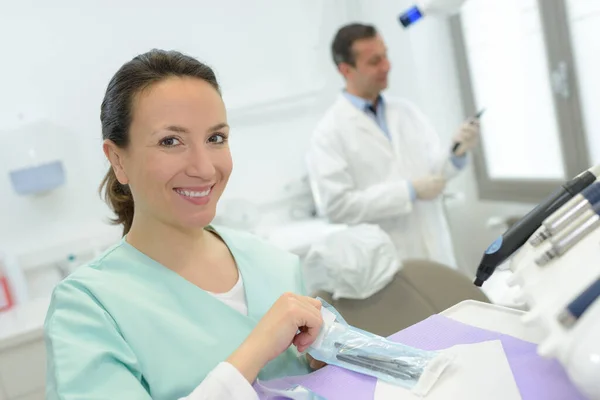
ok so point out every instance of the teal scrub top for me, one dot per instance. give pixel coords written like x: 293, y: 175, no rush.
x: 126, y: 327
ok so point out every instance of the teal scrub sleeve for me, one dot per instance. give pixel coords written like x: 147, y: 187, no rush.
x: 87, y: 358
x: 300, y: 283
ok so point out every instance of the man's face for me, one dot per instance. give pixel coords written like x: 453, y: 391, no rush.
x: 370, y: 74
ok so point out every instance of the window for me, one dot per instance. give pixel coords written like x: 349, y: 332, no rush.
x: 515, y: 61
x: 584, y: 22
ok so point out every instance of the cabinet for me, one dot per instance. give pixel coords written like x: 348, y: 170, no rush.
x: 23, y: 370
x: 23, y: 352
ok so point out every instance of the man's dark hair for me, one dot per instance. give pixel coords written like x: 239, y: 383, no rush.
x: 341, y: 48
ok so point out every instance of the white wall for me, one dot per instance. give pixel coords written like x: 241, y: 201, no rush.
x: 58, y: 58
x: 273, y: 61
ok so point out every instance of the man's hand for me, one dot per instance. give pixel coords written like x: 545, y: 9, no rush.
x: 429, y: 187
x: 467, y: 136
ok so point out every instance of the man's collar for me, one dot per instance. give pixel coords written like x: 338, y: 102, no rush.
x: 361, y: 103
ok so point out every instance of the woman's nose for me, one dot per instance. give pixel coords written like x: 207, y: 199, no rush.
x: 200, y: 164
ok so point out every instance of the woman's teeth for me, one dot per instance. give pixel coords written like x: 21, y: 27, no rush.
x: 189, y: 193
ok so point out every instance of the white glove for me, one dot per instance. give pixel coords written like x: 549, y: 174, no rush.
x: 467, y: 136
x: 429, y: 187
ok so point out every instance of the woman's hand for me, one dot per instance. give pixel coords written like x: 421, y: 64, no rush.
x: 314, y: 364
x: 276, y: 331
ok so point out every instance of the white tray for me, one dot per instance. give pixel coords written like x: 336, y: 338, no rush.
x: 494, y: 318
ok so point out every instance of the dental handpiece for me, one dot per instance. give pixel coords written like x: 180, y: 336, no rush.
x: 571, y: 235
x: 569, y: 316
x: 579, y: 204
x: 517, y: 235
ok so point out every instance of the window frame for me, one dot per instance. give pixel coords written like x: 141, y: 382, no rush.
x: 572, y: 138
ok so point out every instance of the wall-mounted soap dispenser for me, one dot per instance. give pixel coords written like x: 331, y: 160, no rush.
x: 38, y: 179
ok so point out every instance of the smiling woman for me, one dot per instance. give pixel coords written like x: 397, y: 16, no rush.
x: 158, y: 139
x: 178, y: 309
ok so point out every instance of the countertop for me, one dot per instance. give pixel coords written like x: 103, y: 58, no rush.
x: 23, y: 323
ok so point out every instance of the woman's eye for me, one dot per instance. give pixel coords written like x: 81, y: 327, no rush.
x: 170, y: 142
x: 217, y: 138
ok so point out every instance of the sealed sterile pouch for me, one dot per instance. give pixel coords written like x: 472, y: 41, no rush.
x: 295, y: 392
x: 357, y: 350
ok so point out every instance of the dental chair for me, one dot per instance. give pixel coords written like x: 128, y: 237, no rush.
x: 420, y: 289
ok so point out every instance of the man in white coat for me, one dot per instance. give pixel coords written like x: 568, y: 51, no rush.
x: 377, y: 160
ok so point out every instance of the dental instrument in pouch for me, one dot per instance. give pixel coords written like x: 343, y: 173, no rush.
x: 352, y: 348
x: 571, y: 235
x: 387, y: 365
x: 566, y: 214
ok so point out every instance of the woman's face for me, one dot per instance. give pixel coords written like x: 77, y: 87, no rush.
x: 178, y: 162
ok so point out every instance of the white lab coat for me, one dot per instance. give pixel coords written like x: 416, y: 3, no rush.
x: 360, y: 176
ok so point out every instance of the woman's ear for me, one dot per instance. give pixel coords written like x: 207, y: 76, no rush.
x: 115, y: 156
